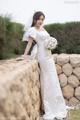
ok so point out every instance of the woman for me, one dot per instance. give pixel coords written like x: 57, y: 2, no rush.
x: 52, y: 98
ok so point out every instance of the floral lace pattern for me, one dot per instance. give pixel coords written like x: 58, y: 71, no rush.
x: 50, y: 43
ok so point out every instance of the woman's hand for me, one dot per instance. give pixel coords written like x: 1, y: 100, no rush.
x: 26, y: 57
x: 23, y: 57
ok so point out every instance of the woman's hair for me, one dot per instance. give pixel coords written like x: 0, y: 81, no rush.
x: 36, y: 17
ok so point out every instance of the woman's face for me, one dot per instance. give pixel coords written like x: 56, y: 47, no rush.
x: 40, y: 21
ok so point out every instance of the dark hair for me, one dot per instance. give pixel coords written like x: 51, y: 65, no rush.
x: 36, y: 17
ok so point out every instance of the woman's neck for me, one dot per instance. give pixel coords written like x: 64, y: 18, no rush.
x: 38, y: 28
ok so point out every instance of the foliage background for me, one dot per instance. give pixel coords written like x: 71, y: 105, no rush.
x: 11, y: 33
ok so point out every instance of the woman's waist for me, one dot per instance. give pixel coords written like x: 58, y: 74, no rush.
x: 44, y: 51
x: 43, y: 54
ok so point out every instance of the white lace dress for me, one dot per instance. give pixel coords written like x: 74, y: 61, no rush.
x: 52, y: 98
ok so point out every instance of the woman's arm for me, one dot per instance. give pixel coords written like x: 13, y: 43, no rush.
x: 28, y: 46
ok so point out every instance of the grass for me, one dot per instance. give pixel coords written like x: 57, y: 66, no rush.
x: 74, y: 114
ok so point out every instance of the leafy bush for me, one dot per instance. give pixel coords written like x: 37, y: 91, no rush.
x: 11, y: 33
x: 68, y: 36
x: 10, y: 37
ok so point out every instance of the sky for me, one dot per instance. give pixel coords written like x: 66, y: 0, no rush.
x: 56, y: 11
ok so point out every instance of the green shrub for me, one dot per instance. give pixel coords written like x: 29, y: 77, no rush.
x: 11, y: 33
x: 10, y: 37
x: 68, y: 36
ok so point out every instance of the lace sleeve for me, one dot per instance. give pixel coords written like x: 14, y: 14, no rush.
x: 30, y: 32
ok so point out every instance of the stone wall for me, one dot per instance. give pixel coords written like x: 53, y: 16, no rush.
x: 68, y: 69
x: 20, y: 97
x: 19, y: 90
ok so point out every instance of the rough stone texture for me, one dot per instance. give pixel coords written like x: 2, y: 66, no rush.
x: 77, y: 92
x: 62, y: 59
x: 67, y: 69
x: 20, y: 86
x: 76, y: 71
x: 59, y: 69
x: 55, y: 57
x: 75, y: 60
x: 19, y: 90
x: 68, y: 91
x: 63, y: 80
x: 73, y: 101
x: 73, y: 81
